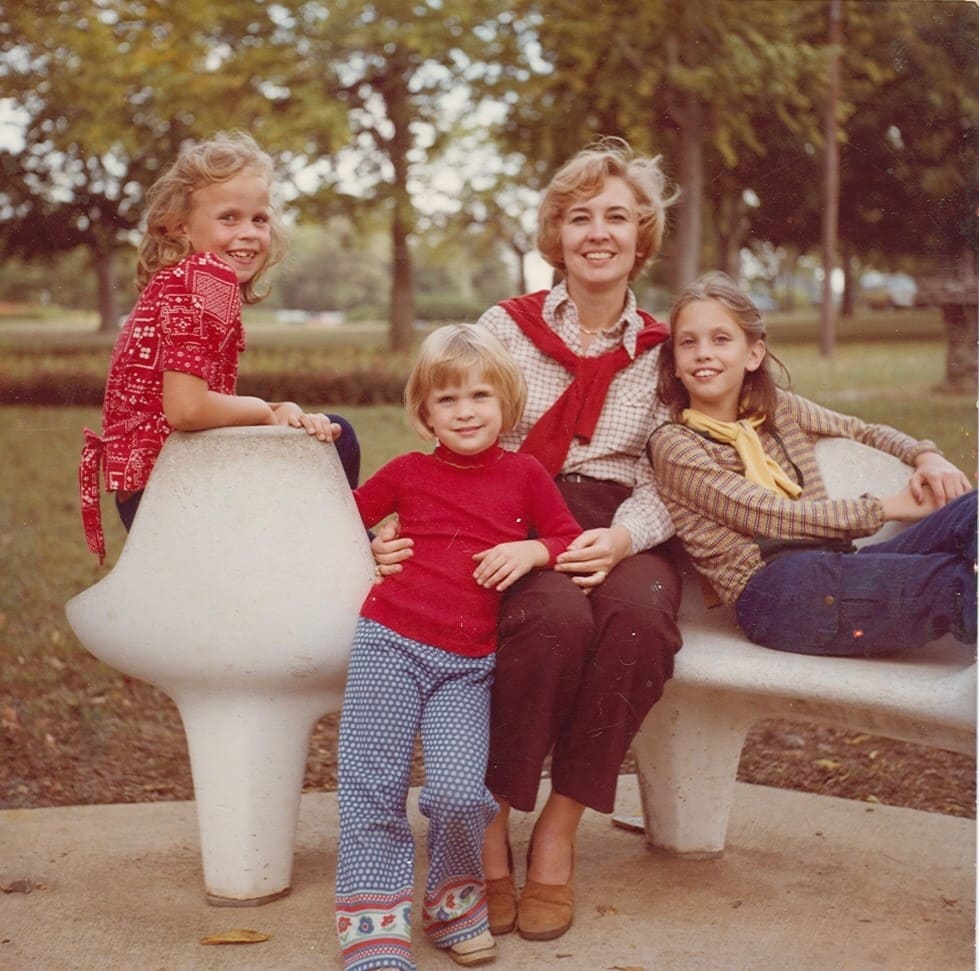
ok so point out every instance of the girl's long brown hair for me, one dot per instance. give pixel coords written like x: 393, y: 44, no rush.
x: 759, y: 389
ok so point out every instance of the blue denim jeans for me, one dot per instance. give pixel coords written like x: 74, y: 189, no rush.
x: 901, y: 593
x: 348, y: 451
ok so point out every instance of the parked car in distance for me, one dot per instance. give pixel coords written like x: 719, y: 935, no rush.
x: 887, y: 291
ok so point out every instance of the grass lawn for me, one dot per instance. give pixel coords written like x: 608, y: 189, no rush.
x: 45, y: 560
x: 47, y: 676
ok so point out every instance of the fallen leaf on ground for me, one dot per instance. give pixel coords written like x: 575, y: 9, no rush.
x: 826, y: 764
x: 19, y: 886
x: 236, y: 937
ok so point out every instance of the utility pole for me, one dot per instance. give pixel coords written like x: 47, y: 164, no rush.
x: 831, y: 183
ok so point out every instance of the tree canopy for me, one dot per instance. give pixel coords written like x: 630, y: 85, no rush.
x: 362, y: 101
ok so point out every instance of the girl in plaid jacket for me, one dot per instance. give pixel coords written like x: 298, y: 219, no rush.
x: 737, y: 470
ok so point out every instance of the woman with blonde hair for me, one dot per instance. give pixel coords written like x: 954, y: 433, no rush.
x: 585, y: 649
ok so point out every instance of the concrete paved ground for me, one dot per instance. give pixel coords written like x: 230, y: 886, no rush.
x: 808, y: 883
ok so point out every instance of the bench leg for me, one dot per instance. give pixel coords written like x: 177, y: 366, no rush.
x: 687, y: 754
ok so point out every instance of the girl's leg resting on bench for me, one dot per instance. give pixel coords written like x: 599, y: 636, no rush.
x: 888, y: 597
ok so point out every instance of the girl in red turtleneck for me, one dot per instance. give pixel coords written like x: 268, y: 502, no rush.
x: 423, y: 655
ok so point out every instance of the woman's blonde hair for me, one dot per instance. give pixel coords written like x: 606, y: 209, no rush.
x: 216, y: 160
x: 585, y: 175
x: 444, y: 360
x: 759, y: 389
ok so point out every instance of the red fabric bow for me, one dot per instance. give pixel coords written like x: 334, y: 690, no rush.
x: 576, y: 412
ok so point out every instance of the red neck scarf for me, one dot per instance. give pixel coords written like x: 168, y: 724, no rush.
x: 576, y: 412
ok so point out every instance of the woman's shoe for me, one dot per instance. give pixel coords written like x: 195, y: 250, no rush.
x: 546, y: 910
x: 480, y: 949
x: 501, y: 901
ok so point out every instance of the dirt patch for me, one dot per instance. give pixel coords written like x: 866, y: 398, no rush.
x: 127, y: 745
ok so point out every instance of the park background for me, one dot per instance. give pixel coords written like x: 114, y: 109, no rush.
x: 827, y: 153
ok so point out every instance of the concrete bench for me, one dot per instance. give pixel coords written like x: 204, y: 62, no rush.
x: 237, y: 594
x: 689, y: 746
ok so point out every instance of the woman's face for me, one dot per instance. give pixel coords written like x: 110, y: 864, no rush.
x: 598, y: 238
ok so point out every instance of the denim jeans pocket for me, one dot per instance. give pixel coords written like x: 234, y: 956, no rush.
x: 793, y: 604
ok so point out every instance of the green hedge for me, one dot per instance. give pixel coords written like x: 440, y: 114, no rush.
x: 29, y: 377
x: 362, y: 388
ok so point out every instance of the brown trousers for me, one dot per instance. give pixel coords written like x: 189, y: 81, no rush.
x: 575, y: 674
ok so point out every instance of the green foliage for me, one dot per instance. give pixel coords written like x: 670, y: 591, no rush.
x: 393, y: 69
x: 908, y: 151
x: 702, y: 84
x: 62, y: 280
x: 371, y: 96
x: 111, y: 91
x: 334, y: 267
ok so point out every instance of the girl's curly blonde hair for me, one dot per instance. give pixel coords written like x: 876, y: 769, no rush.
x: 216, y: 160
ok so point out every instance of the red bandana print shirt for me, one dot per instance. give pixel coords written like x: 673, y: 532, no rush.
x: 187, y: 319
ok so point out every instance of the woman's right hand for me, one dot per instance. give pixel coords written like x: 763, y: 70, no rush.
x: 390, y: 549
x: 592, y: 556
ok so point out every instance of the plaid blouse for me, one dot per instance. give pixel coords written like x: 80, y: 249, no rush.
x: 617, y: 450
x: 187, y: 319
x: 720, y: 515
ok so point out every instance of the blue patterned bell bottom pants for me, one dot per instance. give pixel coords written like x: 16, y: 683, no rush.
x: 399, y: 689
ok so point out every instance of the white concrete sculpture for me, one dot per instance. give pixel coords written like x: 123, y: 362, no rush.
x: 237, y: 594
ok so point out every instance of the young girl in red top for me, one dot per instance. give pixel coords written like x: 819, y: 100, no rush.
x: 211, y: 234
x: 423, y: 655
x: 737, y: 470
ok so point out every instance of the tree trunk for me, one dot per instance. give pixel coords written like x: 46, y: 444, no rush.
x: 961, y: 359
x: 104, y: 264
x: 730, y: 234
x: 787, y: 280
x: 398, y: 105
x: 521, y: 267
x: 831, y: 184
x: 402, y: 318
x: 849, y: 283
x: 689, y: 230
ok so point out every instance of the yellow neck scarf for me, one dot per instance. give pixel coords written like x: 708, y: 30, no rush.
x: 759, y: 467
